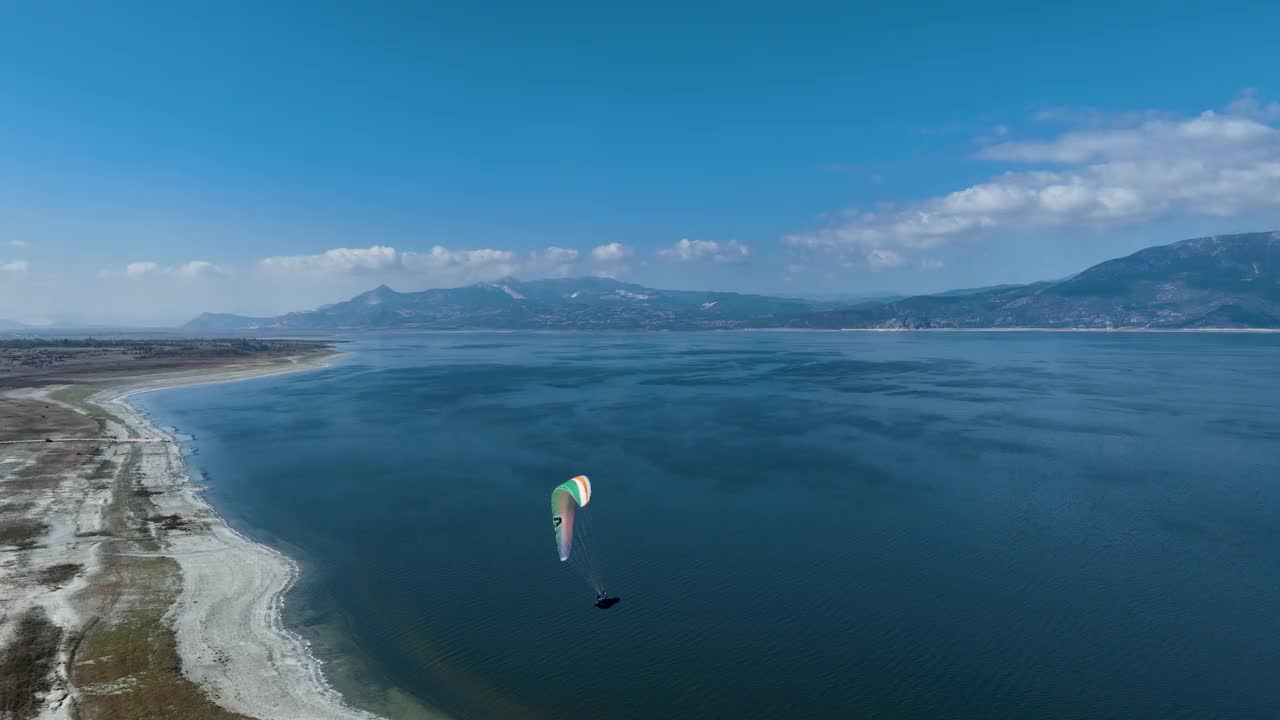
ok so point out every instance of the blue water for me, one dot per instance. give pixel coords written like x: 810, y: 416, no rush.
x: 835, y: 525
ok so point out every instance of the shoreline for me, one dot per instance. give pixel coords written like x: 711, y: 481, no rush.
x: 227, y: 618
x: 1136, y: 330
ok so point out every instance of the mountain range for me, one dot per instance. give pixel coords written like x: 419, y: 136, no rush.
x: 1228, y: 281
x: 586, y: 303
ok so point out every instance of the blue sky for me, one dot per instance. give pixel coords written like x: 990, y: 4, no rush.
x: 159, y: 159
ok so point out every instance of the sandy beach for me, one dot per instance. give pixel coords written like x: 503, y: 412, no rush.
x: 113, y: 510
x: 227, y: 617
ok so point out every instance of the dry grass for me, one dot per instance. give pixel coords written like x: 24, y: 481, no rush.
x: 21, y: 533
x: 60, y: 574
x: 126, y: 663
x: 16, y: 508
x: 26, y: 664
x: 23, y: 419
x: 127, y: 668
x: 105, y: 470
x: 170, y: 522
x: 78, y: 396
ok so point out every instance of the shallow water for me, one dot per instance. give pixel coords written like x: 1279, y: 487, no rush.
x: 800, y: 525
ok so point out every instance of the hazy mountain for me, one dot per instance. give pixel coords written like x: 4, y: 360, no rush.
x: 225, y: 322
x: 570, y: 303
x: 1223, y: 281
x: 60, y: 322
x: 971, y: 291
x: 847, y: 299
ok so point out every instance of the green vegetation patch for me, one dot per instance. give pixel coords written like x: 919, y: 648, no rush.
x: 127, y: 668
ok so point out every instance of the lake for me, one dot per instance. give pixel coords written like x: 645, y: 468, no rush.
x: 800, y: 525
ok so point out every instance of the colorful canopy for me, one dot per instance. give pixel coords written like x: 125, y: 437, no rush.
x: 565, y: 499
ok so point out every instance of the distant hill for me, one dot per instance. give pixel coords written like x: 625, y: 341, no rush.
x: 225, y: 322
x: 1229, y: 281
x: 60, y: 322
x: 970, y: 291
x: 849, y: 299
x: 586, y: 303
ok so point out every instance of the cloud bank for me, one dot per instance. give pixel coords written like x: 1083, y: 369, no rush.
x: 337, y: 261
x: 437, y: 265
x: 553, y: 261
x: 698, y: 250
x: 192, y: 269
x: 1211, y: 165
x: 612, y: 252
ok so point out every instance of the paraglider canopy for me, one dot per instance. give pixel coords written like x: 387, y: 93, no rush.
x: 565, y: 499
x: 573, y: 534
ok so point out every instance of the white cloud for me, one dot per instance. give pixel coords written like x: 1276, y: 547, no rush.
x: 438, y: 266
x: 553, y: 260
x: 692, y: 250
x: 880, y: 259
x: 1222, y: 165
x: 485, y: 263
x: 337, y: 261
x: 15, y: 266
x: 199, y: 268
x: 141, y: 269
x: 1248, y: 105
x: 383, y: 259
x: 147, y: 268
x: 17, y: 243
x: 1154, y: 138
x: 612, y: 252
x: 610, y: 259
x: 558, y: 254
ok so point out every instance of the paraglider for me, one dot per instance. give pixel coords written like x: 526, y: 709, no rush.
x: 573, y: 537
x: 565, y: 500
